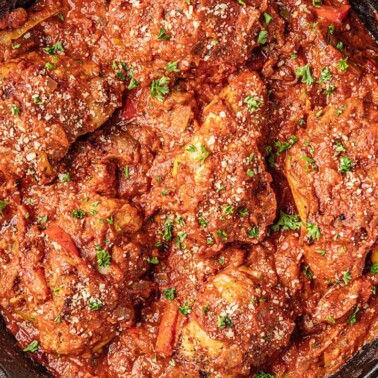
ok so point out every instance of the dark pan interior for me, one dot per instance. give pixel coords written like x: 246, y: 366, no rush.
x: 15, y: 364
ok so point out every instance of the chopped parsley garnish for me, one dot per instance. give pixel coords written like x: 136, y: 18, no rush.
x: 283, y: 146
x: 287, y: 222
x: 16, y: 47
x: 345, y: 164
x: 54, y: 49
x: 340, y: 46
x: 374, y: 268
x: 51, y: 66
x: 172, y: 67
x: 343, y: 64
x: 325, y: 75
x: 170, y: 293
x: 353, y: 318
x: 331, y: 320
x: 268, y: 18
x: 78, y: 213
x: 32, y: 347
x: 222, y: 235
x: 168, y: 228
x: 250, y: 172
x: 347, y: 277
x: 225, y: 322
x: 203, y: 222
x: 95, y: 304
x: 305, y: 73
x: 133, y: 84
x: 191, y: 148
x: 64, y: 177
x: 15, y: 110
x: 126, y: 172
x: 153, y: 260
x: 243, y: 213
x: 204, y: 154
x: 262, y: 374
x: 307, y: 272
x: 313, y: 231
x: 262, y: 37
x: 3, y: 205
x: 103, y: 257
x: 253, y: 232
x: 253, y: 103
x: 159, y: 88
x: 293, y: 56
x: 321, y: 252
x: 186, y: 309
x: 227, y: 209
x: 331, y: 28
x: 317, y: 3
x: 163, y: 35
x: 339, y: 147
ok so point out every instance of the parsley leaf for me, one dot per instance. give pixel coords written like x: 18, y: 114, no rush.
x: 170, y: 293
x: 262, y: 37
x: 159, y: 88
x: 287, y: 222
x: 225, y: 322
x: 253, y: 103
x: 353, y: 318
x: 52, y: 50
x: 95, y: 304
x: 313, y: 231
x: 345, y: 164
x: 186, y: 309
x: 103, y: 257
x: 172, y: 67
x: 343, y: 64
x: 163, y: 35
x: 305, y: 73
x: 3, y: 205
x: 32, y: 347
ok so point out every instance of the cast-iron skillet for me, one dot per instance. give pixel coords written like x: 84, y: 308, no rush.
x: 15, y: 364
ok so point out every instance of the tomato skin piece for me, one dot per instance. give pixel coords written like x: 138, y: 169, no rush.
x: 333, y: 14
x: 58, y: 235
x: 129, y: 111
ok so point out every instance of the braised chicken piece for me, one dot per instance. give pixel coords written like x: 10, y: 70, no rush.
x: 47, y: 101
x: 239, y: 320
x: 332, y: 173
x: 206, y: 35
x: 218, y: 183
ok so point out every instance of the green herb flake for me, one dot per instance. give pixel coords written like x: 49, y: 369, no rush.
x: 186, y: 309
x: 225, y: 322
x: 262, y: 37
x: 95, y: 304
x: 32, y: 347
x: 159, y: 88
x: 172, y: 67
x: 313, y: 231
x: 305, y: 73
x: 170, y: 293
x: 163, y: 36
x: 287, y: 222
